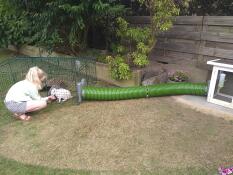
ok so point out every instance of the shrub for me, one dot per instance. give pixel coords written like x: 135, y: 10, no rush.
x: 140, y: 59
x: 119, y: 69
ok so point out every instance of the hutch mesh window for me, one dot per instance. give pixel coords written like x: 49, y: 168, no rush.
x: 62, y: 72
x: 221, y: 84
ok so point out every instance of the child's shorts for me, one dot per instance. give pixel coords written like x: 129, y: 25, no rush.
x: 16, y: 107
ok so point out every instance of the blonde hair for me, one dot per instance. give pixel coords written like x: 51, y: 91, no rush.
x: 36, y: 76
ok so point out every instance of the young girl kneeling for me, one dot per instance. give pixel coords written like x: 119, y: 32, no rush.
x: 23, y: 97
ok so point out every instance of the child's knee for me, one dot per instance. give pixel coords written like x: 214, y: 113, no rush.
x: 43, y: 104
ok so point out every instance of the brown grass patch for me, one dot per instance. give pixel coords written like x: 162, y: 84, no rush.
x: 143, y: 134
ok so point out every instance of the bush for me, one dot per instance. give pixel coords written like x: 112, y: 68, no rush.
x: 119, y: 69
x: 140, y: 59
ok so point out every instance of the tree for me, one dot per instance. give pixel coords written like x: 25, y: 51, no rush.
x: 210, y: 7
x: 13, y: 25
x: 135, y: 43
x: 161, y: 13
x: 64, y: 23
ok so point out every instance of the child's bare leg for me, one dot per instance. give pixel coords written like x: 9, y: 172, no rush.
x: 35, y: 105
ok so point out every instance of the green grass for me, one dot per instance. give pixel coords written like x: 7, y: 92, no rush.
x: 5, y: 54
x: 11, y: 167
x: 4, y: 115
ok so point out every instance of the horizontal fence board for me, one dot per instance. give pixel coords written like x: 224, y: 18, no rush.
x: 181, y: 55
x: 207, y: 36
x: 171, y: 54
x: 218, y: 20
x: 186, y: 28
x: 172, y: 60
x: 182, y: 41
x: 179, y: 47
x: 176, y: 40
x: 189, y: 20
x: 182, y: 35
x: 220, y: 29
x: 226, y: 46
x: 217, y: 37
x: 215, y: 52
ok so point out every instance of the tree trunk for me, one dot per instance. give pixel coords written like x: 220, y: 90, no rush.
x: 85, y: 36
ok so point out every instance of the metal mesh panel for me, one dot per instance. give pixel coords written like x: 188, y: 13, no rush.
x: 65, y: 70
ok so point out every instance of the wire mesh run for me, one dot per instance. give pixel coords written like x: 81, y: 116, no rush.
x: 62, y: 72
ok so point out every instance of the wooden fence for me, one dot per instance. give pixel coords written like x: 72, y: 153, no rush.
x: 196, y: 38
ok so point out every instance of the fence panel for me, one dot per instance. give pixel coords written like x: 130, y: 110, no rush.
x: 193, y: 37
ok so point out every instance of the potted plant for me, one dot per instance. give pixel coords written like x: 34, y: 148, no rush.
x: 178, y: 76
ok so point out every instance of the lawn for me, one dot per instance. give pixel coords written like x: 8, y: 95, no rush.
x: 142, y: 136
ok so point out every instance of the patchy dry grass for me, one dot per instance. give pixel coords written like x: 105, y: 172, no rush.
x: 146, y: 135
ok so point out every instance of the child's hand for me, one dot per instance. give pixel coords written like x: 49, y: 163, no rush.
x: 51, y: 98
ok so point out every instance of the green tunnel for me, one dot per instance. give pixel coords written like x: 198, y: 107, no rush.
x: 116, y: 93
